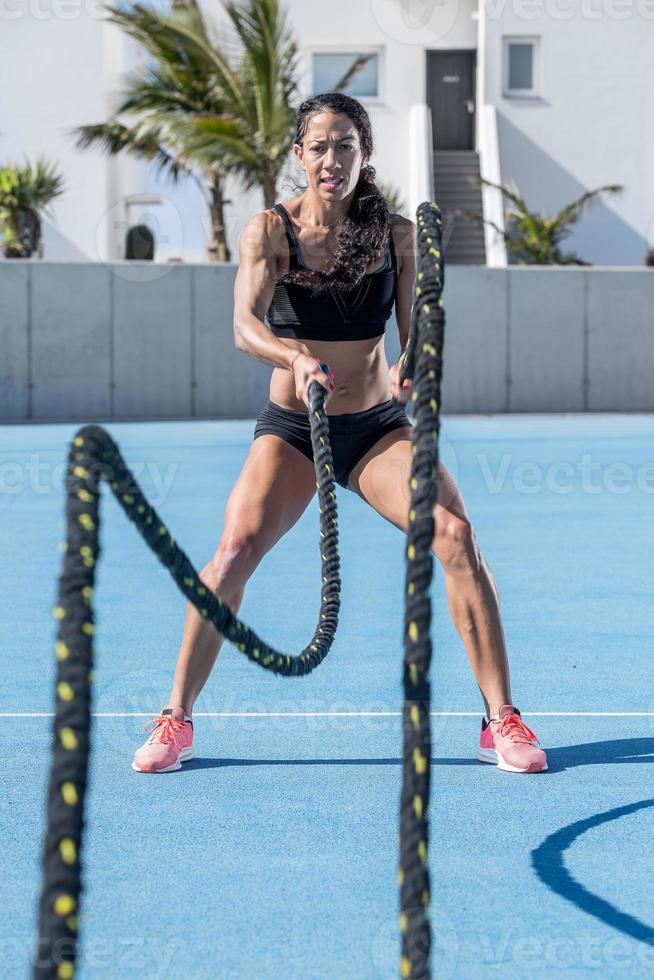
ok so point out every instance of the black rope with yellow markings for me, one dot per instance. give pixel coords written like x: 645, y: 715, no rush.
x: 423, y: 363
x: 94, y: 458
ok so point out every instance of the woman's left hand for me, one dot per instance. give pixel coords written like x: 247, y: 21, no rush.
x: 402, y: 394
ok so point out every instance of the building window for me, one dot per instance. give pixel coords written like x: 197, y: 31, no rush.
x: 360, y: 68
x: 521, y: 65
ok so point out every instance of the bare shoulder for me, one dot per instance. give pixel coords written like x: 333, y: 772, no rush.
x: 261, y: 226
x: 404, y: 238
x: 262, y: 235
x: 403, y: 228
x: 400, y: 222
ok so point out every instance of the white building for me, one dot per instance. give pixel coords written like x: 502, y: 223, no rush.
x: 552, y: 94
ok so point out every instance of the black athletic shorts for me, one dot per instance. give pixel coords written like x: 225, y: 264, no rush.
x: 352, y: 435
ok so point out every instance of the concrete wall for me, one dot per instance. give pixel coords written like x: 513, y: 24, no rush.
x: 129, y: 340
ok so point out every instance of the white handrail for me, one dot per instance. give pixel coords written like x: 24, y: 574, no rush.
x: 492, y: 199
x: 421, y: 167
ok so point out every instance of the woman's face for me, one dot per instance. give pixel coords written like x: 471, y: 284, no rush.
x: 331, y: 155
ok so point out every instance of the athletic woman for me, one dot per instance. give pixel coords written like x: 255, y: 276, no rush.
x: 317, y: 280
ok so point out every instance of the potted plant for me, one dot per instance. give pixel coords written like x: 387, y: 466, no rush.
x: 533, y: 238
x: 24, y: 192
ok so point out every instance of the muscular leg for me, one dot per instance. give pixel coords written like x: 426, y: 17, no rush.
x: 381, y: 478
x: 273, y: 490
x: 200, y: 646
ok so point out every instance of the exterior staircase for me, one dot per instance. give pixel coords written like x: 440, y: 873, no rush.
x: 463, y: 238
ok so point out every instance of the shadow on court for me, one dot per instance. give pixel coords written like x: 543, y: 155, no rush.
x: 202, y: 763
x: 617, y: 751
x: 614, y: 751
x: 548, y: 862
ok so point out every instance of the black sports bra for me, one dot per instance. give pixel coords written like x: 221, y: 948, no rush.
x: 358, y: 313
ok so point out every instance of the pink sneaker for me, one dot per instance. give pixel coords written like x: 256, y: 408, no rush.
x: 510, y: 744
x: 170, y: 743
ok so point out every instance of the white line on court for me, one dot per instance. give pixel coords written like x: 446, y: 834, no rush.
x: 337, y: 714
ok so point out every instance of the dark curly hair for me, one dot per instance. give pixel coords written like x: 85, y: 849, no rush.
x: 363, y: 232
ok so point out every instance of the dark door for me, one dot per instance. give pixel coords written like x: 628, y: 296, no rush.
x: 451, y: 98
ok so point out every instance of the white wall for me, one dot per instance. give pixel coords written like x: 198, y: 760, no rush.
x: 593, y: 124
x: 41, y: 96
x: 403, y: 39
x: 60, y: 66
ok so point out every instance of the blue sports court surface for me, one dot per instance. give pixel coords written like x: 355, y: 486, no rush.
x: 274, y: 853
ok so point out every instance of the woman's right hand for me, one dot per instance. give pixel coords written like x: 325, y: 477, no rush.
x: 306, y: 369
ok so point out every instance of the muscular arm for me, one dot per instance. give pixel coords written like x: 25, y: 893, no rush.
x: 253, y: 292
x: 404, y: 238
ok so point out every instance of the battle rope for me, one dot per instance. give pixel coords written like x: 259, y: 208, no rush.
x: 94, y: 457
x: 423, y: 363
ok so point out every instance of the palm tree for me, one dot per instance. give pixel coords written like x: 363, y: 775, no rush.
x: 24, y: 191
x: 254, y: 133
x: 205, y: 112
x: 534, y: 239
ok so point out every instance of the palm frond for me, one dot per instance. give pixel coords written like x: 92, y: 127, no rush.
x: 269, y: 64
x: 170, y: 38
x: 572, y: 212
x: 354, y: 69
x: 512, y: 193
x: 212, y: 137
x: 535, y: 238
x: 159, y: 92
x: 145, y: 143
x: 33, y: 185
